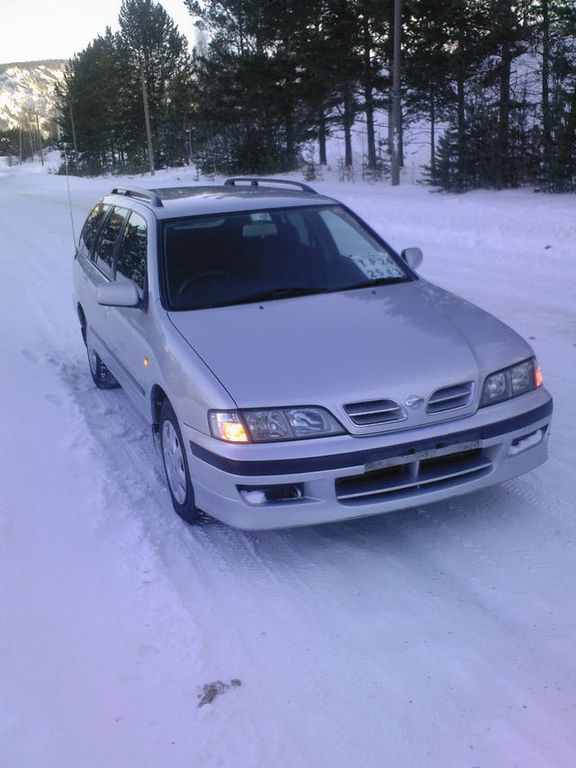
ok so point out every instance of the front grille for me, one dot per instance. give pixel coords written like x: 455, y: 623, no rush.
x: 413, y: 477
x: 448, y: 398
x: 374, y: 412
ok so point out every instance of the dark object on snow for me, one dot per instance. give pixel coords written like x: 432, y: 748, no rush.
x: 216, y: 688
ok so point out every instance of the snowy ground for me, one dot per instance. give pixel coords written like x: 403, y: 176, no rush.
x: 442, y: 637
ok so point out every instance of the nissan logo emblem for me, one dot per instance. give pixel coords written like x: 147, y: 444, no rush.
x: 414, y: 401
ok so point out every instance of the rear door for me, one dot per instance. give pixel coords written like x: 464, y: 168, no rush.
x: 86, y: 276
x: 128, y: 328
x: 102, y: 271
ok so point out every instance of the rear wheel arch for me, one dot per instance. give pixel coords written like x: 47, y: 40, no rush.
x: 82, y: 318
x: 101, y: 376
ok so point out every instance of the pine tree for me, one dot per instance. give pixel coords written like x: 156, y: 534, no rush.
x: 247, y: 106
x: 92, y: 84
x: 428, y: 73
x: 157, y: 65
x: 559, y: 166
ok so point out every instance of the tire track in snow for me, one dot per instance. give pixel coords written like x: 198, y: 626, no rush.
x: 188, y: 557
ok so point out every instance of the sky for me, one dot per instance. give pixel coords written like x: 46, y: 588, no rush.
x: 37, y: 29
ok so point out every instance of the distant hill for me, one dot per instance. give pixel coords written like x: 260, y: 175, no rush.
x: 27, y: 89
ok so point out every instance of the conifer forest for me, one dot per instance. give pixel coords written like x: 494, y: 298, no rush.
x: 268, y: 82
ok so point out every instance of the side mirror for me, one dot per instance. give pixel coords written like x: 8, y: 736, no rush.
x: 124, y: 294
x: 413, y: 257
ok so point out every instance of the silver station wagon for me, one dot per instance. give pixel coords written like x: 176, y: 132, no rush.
x: 294, y: 368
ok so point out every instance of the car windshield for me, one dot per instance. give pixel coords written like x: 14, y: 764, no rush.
x: 236, y: 258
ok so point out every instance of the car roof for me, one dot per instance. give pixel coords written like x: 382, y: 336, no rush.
x: 174, y: 202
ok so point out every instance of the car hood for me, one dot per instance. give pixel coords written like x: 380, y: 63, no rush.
x: 392, y: 341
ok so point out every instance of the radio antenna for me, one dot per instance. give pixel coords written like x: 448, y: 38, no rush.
x: 69, y: 195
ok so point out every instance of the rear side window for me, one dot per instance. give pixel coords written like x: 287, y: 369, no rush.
x: 108, y: 239
x: 91, y: 228
x: 131, y: 262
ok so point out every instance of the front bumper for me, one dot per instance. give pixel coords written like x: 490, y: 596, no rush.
x: 337, y: 478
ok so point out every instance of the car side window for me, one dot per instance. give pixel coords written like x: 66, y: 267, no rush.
x: 131, y: 261
x: 108, y: 239
x: 91, y: 229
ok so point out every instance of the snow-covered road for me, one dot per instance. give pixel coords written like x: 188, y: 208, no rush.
x: 443, y: 637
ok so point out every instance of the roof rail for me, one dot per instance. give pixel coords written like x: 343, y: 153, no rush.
x: 256, y: 181
x: 139, y: 194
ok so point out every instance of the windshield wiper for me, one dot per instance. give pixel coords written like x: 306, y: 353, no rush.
x: 298, y: 290
x: 281, y: 293
x: 378, y: 281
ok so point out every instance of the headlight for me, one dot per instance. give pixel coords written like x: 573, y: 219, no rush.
x: 228, y: 426
x: 273, y: 424
x: 511, y: 382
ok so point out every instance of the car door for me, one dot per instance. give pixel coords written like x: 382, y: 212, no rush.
x: 127, y: 328
x: 102, y: 271
x: 86, y: 276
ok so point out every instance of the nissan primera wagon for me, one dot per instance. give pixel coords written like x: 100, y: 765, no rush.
x: 293, y: 367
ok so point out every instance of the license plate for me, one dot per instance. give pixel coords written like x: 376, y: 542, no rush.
x: 425, y: 453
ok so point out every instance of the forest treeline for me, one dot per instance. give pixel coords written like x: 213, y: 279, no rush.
x: 493, y: 81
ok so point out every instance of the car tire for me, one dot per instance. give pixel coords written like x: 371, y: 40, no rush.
x: 101, y: 376
x: 176, y: 466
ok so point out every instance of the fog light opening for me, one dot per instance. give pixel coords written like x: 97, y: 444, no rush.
x: 521, y: 444
x: 271, y: 494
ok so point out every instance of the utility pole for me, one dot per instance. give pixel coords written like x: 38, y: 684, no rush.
x: 39, y: 139
x: 31, y: 134
x: 396, y: 94
x: 547, y: 130
x: 147, y: 119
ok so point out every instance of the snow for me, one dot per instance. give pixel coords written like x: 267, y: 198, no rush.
x: 442, y: 637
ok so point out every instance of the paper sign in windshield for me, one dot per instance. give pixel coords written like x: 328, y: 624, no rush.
x: 376, y: 266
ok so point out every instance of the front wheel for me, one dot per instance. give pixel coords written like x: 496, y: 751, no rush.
x: 176, y: 465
